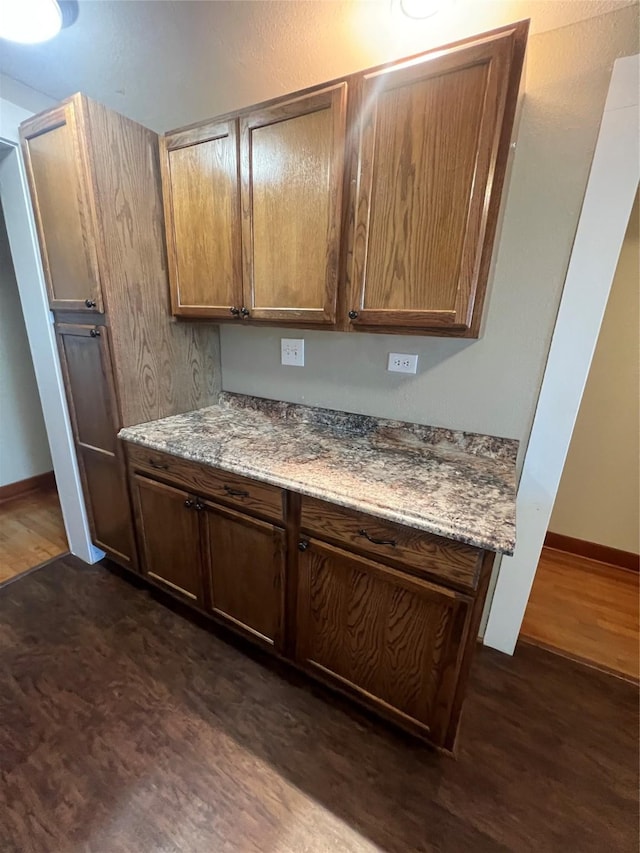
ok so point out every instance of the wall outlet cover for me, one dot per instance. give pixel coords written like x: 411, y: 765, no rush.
x: 401, y: 362
x: 292, y: 351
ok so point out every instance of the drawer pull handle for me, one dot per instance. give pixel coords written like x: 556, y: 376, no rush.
x: 375, y: 541
x: 158, y: 465
x: 236, y: 493
x: 188, y: 503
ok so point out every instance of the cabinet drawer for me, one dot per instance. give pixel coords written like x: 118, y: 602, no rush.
x: 254, y: 497
x: 444, y: 559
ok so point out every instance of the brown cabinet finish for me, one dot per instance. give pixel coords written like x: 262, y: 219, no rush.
x: 85, y: 359
x: 62, y: 199
x: 292, y: 162
x: 392, y: 639
x: 241, y: 493
x: 168, y: 529
x: 201, y: 187
x: 244, y: 561
x: 442, y: 559
x: 431, y: 160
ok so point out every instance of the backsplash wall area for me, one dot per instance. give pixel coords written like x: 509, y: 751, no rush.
x: 490, y: 385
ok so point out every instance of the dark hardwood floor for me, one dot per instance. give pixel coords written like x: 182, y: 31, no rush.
x: 126, y: 727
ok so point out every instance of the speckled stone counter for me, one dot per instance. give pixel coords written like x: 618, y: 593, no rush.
x: 454, y: 484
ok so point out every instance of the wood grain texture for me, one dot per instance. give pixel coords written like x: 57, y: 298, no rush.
x: 593, y: 551
x: 161, y: 367
x: 86, y: 363
x: 169, y: 537
x: 382, y: 634
x: 163, y: 736
x: 106, y: 494
x: 56, y: 170
x: 201, y: 191
x: 292, y: 165
x: 586, y: 610
x: 232, y: 490
x: 31, y: 531
x: 244, y: 562
x: 431, y: 556
x: 429, y: 140
x: 38, y: 482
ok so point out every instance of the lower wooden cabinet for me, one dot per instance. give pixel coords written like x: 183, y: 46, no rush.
x: 395, y: 631
x: 244, y: 562
x: 168, y: 537
x: 226, y: 562
x: 393, y: 639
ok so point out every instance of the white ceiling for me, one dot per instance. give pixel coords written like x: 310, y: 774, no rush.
x: 166, y: 63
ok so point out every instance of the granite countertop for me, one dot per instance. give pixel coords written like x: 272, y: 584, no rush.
x: 454, y: 484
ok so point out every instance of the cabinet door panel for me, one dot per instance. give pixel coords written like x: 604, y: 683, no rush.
x: 60, y: 189
x: 245, y: 568
x: 86, y: 365
x: 395, y: 640
x: 292, y: 157
x: 108, y: 505
x: 202, y: 208
x: 429, y: 137
x: 169, y: 537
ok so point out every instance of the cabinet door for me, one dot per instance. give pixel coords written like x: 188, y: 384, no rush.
x: 201, y: 188
x: 245, y: 572
x: 59, y: 180
x: 394, y: 640
x: 292, y: 162
x: 169, y: 537
x: 429, y: 136
x: 85, y: 358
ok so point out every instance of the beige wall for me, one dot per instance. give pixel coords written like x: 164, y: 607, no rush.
x: 598, y: 499
x: 490, y: 385
x: 24, y: 450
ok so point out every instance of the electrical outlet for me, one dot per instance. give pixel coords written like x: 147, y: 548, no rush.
x: 292, y: 351
x: 401, y: 362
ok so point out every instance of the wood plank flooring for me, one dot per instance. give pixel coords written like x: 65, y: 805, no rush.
x: 126, y: 727
x: 586, y: 610
x: 31, y: 532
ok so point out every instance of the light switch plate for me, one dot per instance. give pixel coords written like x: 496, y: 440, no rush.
x: 401, y: 362
x: 292, y: 351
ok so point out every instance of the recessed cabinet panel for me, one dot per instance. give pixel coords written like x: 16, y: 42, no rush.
x: 168, y: 529
x: 428, y: 140
x: 60, y: 193
x: 87, y: 365
x: 292, y: 172
x: 202, y: 206
x: 380, y: 633
x: 108, y: 503
x: 245, y: 565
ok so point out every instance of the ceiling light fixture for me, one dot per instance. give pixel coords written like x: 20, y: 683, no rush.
x: 33, y: 21
x: 420, y: 8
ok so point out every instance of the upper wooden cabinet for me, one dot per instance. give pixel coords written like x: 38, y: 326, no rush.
x: 284, y: 164
x: 420, y: 147
x: 202, y: 212
x: 429, y: 134
x: 292, y: 167
x: 63, y: 206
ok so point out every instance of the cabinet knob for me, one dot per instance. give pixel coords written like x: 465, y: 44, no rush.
x: 95, y: 333
x: 303, y: 544
x: 235, y: 311
x: 353, y: 315
x: 188, y: 503
x: 244, y: 312
x: 90, y: 303
x: 199, y: 506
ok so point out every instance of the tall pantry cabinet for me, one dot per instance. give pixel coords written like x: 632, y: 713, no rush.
x: 95, y: 188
